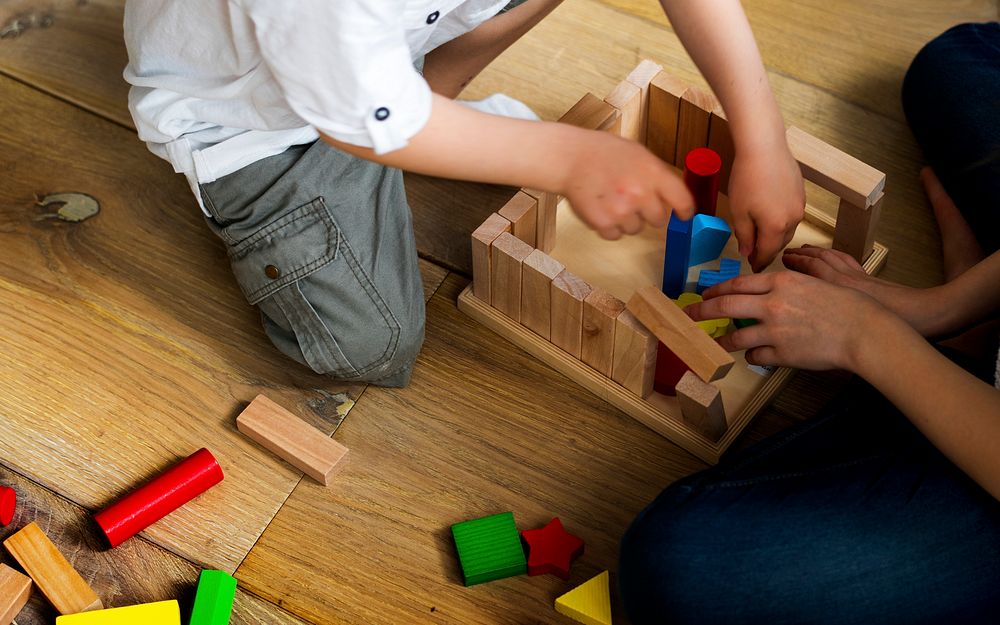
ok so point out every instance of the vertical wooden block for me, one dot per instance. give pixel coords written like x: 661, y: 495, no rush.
x: 537, y: 273
x: 15, y: 589
x: 855, y: 233
x: 665, y: 93
x: 51, y: 572
x: 701, y: 406
x: 597, y: 348
x: 507, y: 256
x: 568, y: 294
x: 641, y: 76
x: 545, y: 219
x: 292, y: 439
x: 522, y: 213
x: 634, y: 362
x: 627, y: 98
x: 693, y: 120
x: 482, y: 266
x: 721, y: 140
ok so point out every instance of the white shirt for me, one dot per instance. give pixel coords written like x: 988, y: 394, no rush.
x: 220, y: 84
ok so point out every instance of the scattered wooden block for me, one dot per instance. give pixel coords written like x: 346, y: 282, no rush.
x: 627, y: 98
x: 8, y: 505
x: 159, y: 613
x: 589, y: 603
x: 665, y: 93
x: 855, y: 233
x: 489, y: 548
x: 641, y: 76
x: 551, y: 549
x: 213, y: 602
x: 522, y: 213
x: 537, y: 273
x: 634, y: 362
x: 482, y: 243
x: 858, y: 183
x: 568, y: 293
x: 597, y: 348
x: 679, y: 333
x: 292, y: 439
x: 721, y: 140
x: 693, y: 120
x: 507, y: 256
x: 701, y: 406
x: 15, y: 589
x: 51, y: 572
x: 545, y: 219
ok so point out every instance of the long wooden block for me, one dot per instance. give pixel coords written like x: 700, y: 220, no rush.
x: 701, y: 406
x: 537, y: 273
x: 507, y: 256
x: 693, y: 120
x: 597, y: 349
x: 482, y: 242
x: 641, y: 76
x: 15, y: 589
x: 679, y: 333
x: 665, y: 93
x: 159, y: 613
x: 855, y: 233
x: 627, y: 98
x: 590, y: 112
x: 522, y: 213
x: 292, y: 439
x: 721, y: 140
x: 634, y: 363
x: 568, y: 294
x: 51, y: 572
x: 838, y: 172
x: 545, y: 218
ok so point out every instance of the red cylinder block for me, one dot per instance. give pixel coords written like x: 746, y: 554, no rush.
x: 702, y: 169
x: 162, y: 495
x: 8, y: 503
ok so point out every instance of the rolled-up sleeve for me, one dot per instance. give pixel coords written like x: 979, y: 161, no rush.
x: 344, y: 68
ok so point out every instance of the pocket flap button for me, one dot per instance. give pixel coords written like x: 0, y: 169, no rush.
x: 272, y: 272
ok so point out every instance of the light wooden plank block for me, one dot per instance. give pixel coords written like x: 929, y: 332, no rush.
x: 568, y: 294
x: 51, y: 572
x: 545, y: 218
x: 15, y: 589
x: 591, y: 113
x: 482, y: 243
x: 627, y: 98
x: 838, y: 172
x: 641, y: 76
x: 537, y: 273
x: 600, y: 310
x: 522, y: 213
x: 159, y: 613
x: 678, y: 332
x: 701, y: 406
x: 507, y: 256
x: 721, y: 140
x: 855, y: 233
x: 693, y: 120
x: 665, y: 93
x: 292, y: 439
x: 634, y: 363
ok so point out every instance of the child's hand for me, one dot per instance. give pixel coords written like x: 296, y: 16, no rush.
x: 767, y: 199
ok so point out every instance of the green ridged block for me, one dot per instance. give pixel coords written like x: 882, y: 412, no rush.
x: 489, y: 548
x: 213, y: 604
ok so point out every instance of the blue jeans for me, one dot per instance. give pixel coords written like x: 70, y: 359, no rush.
x: 852, y: 517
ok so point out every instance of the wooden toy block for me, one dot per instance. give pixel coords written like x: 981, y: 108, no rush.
x: 701, y: 175
x: 712, y: 327
x: 701, y: 405
x: 15, y: 589
x: 8, y: 505
x: 597, y: 348
x: 551, y: 549
x: 51, y: 572
x: 568, y: 294
x: 721, y: 141
x: 482, y: 244
x: 855, y: 233
x: 507, y: 256
x: 729, y: 268
x: 858, y: 183
x: 159, y: 613
x: 634, y: 362
x: 709, y: 235
x: 292, y: 439
x: 641, y: 76
x: 545, y: 218
x: 588, y: 603
x: 522, y: 213
x: 627, y: 98
x: 664, y: 111
x: 678, y: 332
x: 489, y: 548
x: 159, y: 497
x: 693, y: 120
x: 537, y: 274
x: 591, y: 113
x: 676, y: 255
x: 213, y: 602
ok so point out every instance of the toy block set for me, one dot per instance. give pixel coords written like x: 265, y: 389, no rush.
x: 609, y: 314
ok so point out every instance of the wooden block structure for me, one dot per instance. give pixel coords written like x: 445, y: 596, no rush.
x: 54, y: 576
x: 641, y: 77
x: 537, y: 273
x: 588, y: 603
x: 600, y: 314
x: 159, y: 613
x: 634, y: 362
x: 482, y: 247
x: 213, y: 601
x: 489, y: 548
x: 522, y: 213
x: 665, y: 93
x: 694, y: 118
x: 568, y: 295
x: 15, y: 590
x: 507, y: 257
x: 292, y: 439
x: 701, y: 405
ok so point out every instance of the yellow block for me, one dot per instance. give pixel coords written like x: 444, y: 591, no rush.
x: 715, y: 328
x: 588, y: 603
x: 160, y: 613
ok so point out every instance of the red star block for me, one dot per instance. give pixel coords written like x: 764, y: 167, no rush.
x: 551, y: 549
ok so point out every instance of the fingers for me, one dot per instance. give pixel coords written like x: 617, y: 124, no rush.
x: 835, y: 260
x: 746, y: 233
x: 672, y: 192
x: 611, y: 233
x: 765, y: 355
x: 731, y: 306
x: 745, y: 338
x: 756, y: 284
x: 770, y: 240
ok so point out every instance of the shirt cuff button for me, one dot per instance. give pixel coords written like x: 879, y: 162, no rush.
x: 381, y: 113
x: 433, y: 17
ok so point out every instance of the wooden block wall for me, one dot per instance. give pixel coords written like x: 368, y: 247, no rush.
x: 627, y: 98
x: 507, y: 256
x: 641, y: 76
x: 522, y: 213
x: 568, y: 294
x: 634, y: 362
x: 665, y: 93
x: 855, y: 232
x: 537, y: 273
x: 693, y: 120
x: 721, y: 140
x: 482, y: 244
x: 597, y: 349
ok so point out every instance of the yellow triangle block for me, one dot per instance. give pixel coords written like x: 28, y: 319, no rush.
x: 160, y: 613
x: 588, y: 603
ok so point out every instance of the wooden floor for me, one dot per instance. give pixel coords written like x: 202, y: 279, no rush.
x: 126, y: 345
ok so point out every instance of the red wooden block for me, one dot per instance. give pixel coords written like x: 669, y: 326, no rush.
x: 551, y: 549
x: 702, y: 169
x: 8, y: 503
x: 669, y: 371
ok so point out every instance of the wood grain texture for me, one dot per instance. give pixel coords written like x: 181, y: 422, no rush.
x: 507, y: 255
x: 834, y: 170
x: 856, y: 227
x: 522, y: 213
x: 51, y: 572
x: 634, y: 359
x: 720, y: 139
x: 627, y: 99
x: 568, y: 293
x: 665, y: 93
x: 641, y: 76
x: 15, y: 590
x: 482, y: 248
x: 591, y: 113
x: 701, y: 405
x: 597, y: 348
x: 537, y: 274
x: 545, y: 222
x: 693, y: 119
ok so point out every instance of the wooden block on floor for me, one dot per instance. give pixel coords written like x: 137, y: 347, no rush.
x: 665, y: 93
x: 482, y: 243
x: 568, y: 294
x: 545, y: 219
x: 627, y: 98
x: 15, y: 589
x: 840, y: 173
x: 855, y: 233
x: 641, y: 76
x: 507, y: 256
x: 51, y: 572
x: 292, y: 439
x: 634, y: 363
x: 159, y: 613
x: 680, y: 334
x: 693, y: 120
x: 522, y: 213
x: 591, y: 113
x: 213, y: 601
x: 701, y: 406
x: 597, y: 349
x: 537, y: 273
x: 721, y: 140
